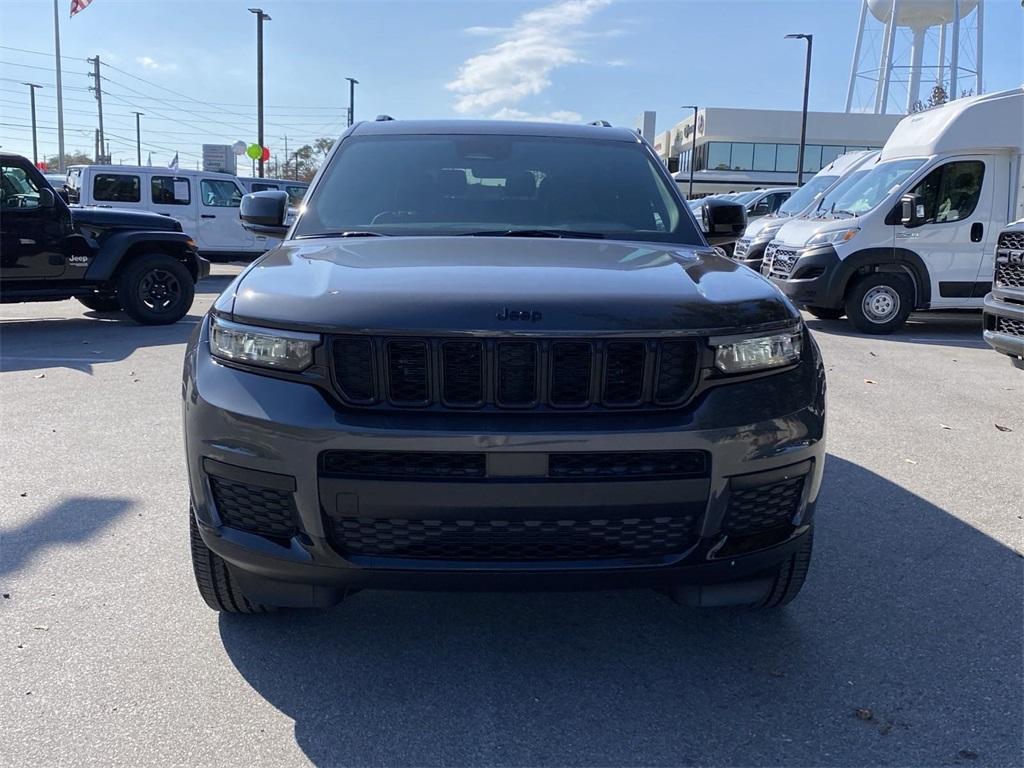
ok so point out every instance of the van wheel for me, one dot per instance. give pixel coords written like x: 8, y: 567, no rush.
x: 824, y: 313
x: 100, y: 303
x: 156, y: 289
x: 214, y: 579
x: 879, y: 303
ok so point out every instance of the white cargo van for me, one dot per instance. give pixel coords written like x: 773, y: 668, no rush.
x: 750, y: 248
x: 206, y: 204
x: 919, y: 230
x: 296, y: 189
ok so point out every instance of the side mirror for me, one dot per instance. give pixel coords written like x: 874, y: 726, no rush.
x: 265, y: 212
x: 763, y: 208
x: 47, y: 198
x: 62, y: 193
x: 722, y: 221
x: 912, y: 211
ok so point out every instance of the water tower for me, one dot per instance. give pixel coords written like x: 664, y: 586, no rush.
x: 903, y: 43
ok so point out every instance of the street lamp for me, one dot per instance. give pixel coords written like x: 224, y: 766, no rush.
x: 693, y: 147
x: 803, y: 122
x: 32, y: 98
x: 352, y: 83
x: 138, y: 138
x: 260, y: 18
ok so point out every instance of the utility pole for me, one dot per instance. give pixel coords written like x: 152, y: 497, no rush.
x: 138, y: 137
x: 260, y: 18
x: 352, y: 83
x: 99, y: 96
x: 693, y: 148
x: 60, y: 92
x: 285, y: 155
x: 32, y: 100
x: 803, y: 121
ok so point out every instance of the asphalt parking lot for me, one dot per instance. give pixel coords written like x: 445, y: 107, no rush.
x: 905, y: 648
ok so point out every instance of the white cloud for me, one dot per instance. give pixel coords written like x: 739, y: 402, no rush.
x: 558, y: 116
x: 156, y: 66
x: 521, y: 63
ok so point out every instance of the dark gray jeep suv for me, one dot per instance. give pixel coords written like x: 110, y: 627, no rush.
x: 498, y: 356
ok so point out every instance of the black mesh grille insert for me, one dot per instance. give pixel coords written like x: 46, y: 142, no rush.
x: 398, y: 464
x: 407, y: 371
x: 463, y: 363
x: 1010, y: 326
x: 1009, y: 275
x: 517, y: 372
x: 624, y: 372
x: 266, y: 511
x: 625, y: 465
x: 513, y: 540
x: 353, y: 365
x: 754, y: 510
x: 571, y: 363
x: 677, y: 370
x: 1011, y: 240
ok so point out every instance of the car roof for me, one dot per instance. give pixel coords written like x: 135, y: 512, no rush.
x: 494, y: 128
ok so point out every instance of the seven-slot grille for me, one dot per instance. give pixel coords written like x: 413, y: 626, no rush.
x: 515, y: 373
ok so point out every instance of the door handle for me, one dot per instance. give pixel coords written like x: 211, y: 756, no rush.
x: 207, y: 216
x: 977, y: 232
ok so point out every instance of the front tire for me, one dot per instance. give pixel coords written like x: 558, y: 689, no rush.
x: 213, y: 578
x: 99, y: 303
x: 880, y: 303
x: 156, y: 289
x: 790, y: 576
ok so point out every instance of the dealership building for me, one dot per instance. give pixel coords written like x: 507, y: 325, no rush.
x: 742, y: 149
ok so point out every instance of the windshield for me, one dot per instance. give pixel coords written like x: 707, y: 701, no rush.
x: 745, y: 197
x: 869, y: 190
x: 475, y: 184
x: 804, y: 196
x: 847, y: 183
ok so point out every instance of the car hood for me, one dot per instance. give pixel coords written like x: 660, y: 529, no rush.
x: 424, y: 284
x: 120, y: 218
x: 796, y: 232
x: 759, y: 227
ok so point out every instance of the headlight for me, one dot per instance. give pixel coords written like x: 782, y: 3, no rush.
x: 838, y: 236
x: 754, y: 353
x: 266, y: 347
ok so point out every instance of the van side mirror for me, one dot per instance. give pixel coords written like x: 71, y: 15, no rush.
x: 763, y: 208
x: 265, y: 212
x: 912, y: 211
x: 46, y: 198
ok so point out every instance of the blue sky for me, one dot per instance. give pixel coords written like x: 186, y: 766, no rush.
x: 561, y: 59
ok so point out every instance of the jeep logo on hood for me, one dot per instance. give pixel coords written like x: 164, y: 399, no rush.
x: 528, y: 315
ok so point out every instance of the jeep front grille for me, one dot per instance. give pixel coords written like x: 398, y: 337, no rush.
x: 513, y: 373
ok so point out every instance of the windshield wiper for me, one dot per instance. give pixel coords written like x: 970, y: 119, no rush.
x: 536, y: 233
x: 345, y: 233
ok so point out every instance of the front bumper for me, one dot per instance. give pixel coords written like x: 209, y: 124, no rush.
x: 813, y: 280
x: 255, y: 430
x: 1004, y: 325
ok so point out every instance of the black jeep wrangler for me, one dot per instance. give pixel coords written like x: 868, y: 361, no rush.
x: 108, y: 259
x: 498, y: 355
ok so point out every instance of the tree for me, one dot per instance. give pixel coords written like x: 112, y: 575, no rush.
x: 304, y: 162
x: 937, y: 98
x: 75, y: 158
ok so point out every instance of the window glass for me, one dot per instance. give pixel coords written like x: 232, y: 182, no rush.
x: 718, y: 156
x: 830, y: 153
x: 860, y: 196
x: 786, y: 158
x: 764, y: 157
x: 806, y: 195
x: 295, y: 193
x: 777, y: 199
x: 742, y: 156
x: 951, y: 191
x: 812, y: 158
x: 218, y: 193
x: 17, y: 190
x: 262, y: 186
x: 117, y: 188
x: 170, y: 190
x: 462, y: 184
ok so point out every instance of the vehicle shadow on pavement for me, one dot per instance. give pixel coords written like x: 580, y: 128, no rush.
x: 72, y: 521
x: 904, y: 649
x: 959, y: 329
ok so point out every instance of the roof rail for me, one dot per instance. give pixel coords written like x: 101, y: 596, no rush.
x: 382, y: 118
x: 601, y: 123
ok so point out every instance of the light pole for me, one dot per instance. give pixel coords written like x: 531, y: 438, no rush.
x: 352, y: 83
x: 32, y: 99
x: 803, y: 121
x: 260, y: 18
x: 138, y: 137
x: 693, y: 147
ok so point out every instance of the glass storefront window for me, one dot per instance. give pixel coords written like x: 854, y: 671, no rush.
x: 786, y: 157
x: 812, y: 158
x: 830, y: 153
x: 719, y: 155
x: 742, y: 157
x: 764, y: 157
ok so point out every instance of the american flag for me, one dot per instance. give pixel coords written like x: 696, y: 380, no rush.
x: 78, y: 5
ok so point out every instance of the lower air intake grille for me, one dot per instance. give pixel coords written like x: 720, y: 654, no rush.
x: 267, y: 511
x: 755, y: 510
x: 512, y: 540
x: 1010, y: 326
x: 399, y: 464
x: 649, y: 464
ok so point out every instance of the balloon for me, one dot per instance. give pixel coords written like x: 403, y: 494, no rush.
x: 254, y: 151
x: 266, y: 154
x: 239, y: 147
